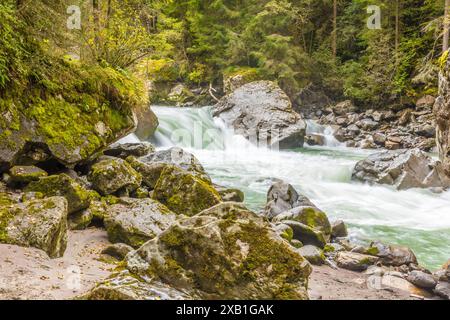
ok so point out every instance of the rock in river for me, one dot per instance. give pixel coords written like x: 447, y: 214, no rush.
x: 404, y: 169
x: 262, y: 112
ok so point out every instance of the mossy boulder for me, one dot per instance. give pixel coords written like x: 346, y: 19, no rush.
x: 150, y: 171
x: 184, y: 193
x: 80, y: 220
x: 230, y: 194
x: 225, y: 252
x: 111, y: 175
x: 78, y: 198
x: 40, y: 223
x: 306, y: 234
x: 135, y: 221
x: 25, y: 174
x: 310, y: 216
x: 392, y: 255
x: 67, y: 111
x: 313, y: 254
x: 180, y: 158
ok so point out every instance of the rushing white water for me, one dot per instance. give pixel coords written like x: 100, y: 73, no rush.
x: 325, y: 131
x: 419, y: 219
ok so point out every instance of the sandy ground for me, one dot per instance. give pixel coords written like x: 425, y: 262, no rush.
x: 28, y: 273
x: 329, y: 284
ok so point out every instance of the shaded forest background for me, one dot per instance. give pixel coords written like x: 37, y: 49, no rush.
x: 325, y: 43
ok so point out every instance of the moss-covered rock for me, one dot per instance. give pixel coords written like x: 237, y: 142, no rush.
x: 80, y: 220
x: 40, y: 223
x: 230, y: 194
x: 310, y: 216
x: 135, y: 221
x: 78, y: 198
x: 225, y: 252
x: 150, y: 171
x: 111, y: 175
x: 184, y: 193
x: 25, y: 174
x: 313, y: 254
x: 124, y: 150
x: 392, y: 255
x: 306, y: 234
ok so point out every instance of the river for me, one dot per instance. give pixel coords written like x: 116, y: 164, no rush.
x: 415, y: 218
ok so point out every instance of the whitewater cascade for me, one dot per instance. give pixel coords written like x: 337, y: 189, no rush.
x: 419, y: 219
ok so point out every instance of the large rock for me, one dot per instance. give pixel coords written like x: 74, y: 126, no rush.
x: 124, y: 150
x: 306, y: 235
x: 135, y: 221
x: 39, y: 223
x: 147, y: 124
x: 262, y: 113
x: 392, y: 255
x: 310, y: 101
x: 354, y: 261
x: 442, y: 115
x: 226, y: 252
x: 313, y: 254
x: 78, y: 198
x: 310, y: 216
x: 404, y: 169
x: 25, y: 174
x: 184, y: 193
x: 111, y: 175
x: 150, y: 171
x: 422, y: 279
x: 178, y: 157
x: 282, y: 197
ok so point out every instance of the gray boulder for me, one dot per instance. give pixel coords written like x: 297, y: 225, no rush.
x: 225, y: 252
x: 403, y: 169
x: 111, y: 175
x: 392, y: 255
x: 354, y: 261
x: 124, y: 150
x: 39, y: 223
x: 262, y: 113
x: 313, y: 254
x: 422, y: 279
x: 135, y: 221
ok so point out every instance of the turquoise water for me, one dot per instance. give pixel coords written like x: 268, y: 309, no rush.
x: 419, y: 219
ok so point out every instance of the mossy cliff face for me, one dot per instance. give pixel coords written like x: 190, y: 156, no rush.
x: 71, y: 112
x: 184, y: 193
x: 226, y: 252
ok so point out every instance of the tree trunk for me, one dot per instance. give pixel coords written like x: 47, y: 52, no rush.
x: 397, y: 30
x: 446, y: 26
x: 334, y: 34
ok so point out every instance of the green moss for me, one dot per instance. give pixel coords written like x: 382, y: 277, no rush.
x: 373, y: 251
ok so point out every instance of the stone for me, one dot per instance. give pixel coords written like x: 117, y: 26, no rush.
x: 404, y: 169
x: 136, y: 221
x: 282, y: 197
x: 147, y: 123
x: 315, y: 140
x: 284, y: 231
x: 230, y: 194
x: 339, y: 229
x: 177, y: 157
x: 78, y: 198
x: 422, y: 279
x: 124, y: 286
x: 344, y: 108
x: 354, y: 261
x: 379, y: 138
x: 118, y: 250
x: 406, y: 116
x: 25, y: 174
x: 262, y: 113
x: 111, y: 175
x: 80, y: 220
x: 39, y: 223
x: 184, y: 193
x: 310, y: 216
x: 150, y: 172
x: 124, y: 150
x: 313, y: 254
x: 443, y: 290
x: 180, y: 94
x: 392, y: 255
x: 426, y: 102
x: 392, y: 281
x: 306, y: 234
x: 225, y: 252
